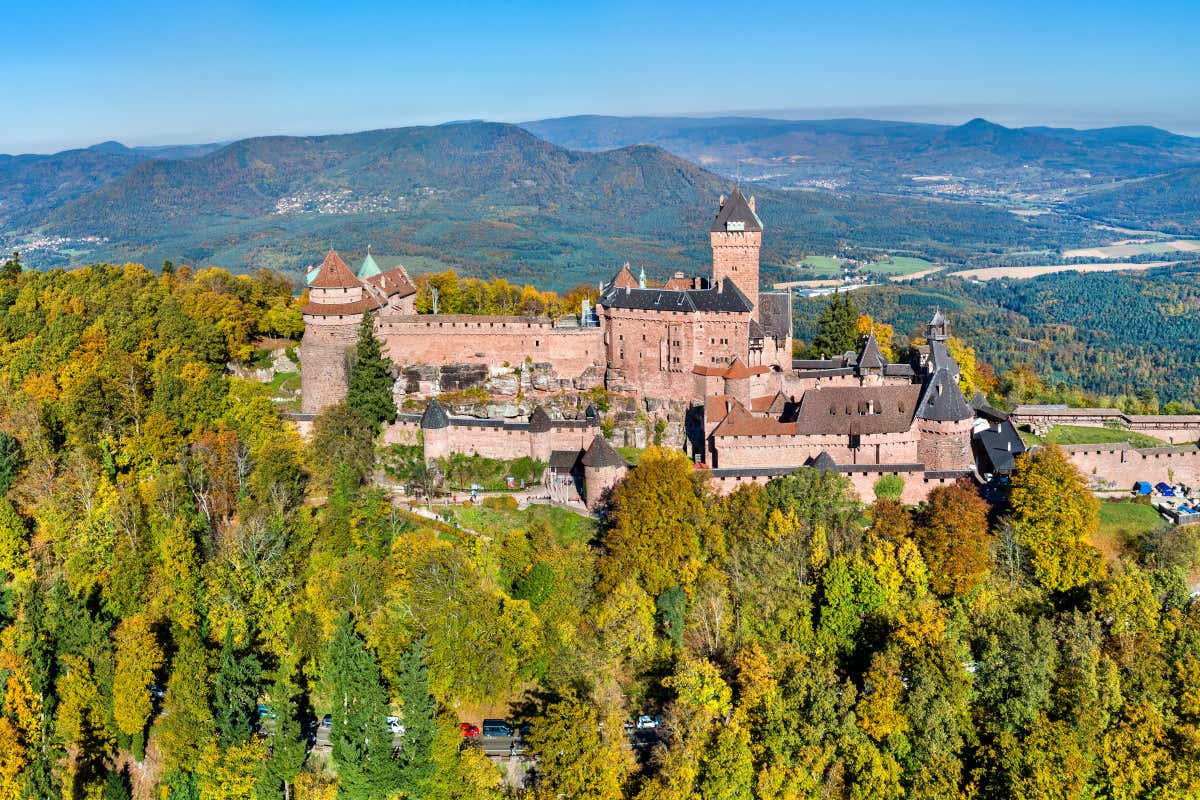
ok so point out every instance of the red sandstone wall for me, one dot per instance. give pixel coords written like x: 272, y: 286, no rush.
x: 946, y: 445
x: 786, y: 450
x: 442, y: 339
x: 735, y: 256
x: 916, y: 485
x: 1125, y: 466
x: 324, y: 375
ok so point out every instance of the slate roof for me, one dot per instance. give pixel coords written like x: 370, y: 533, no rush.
x: 565, y: 460
x: 857, y: 410
x: 775, y: 314
x: 999, y: 444
x: 539, y: 421
x: 725, y: 297
x: 334, y: 274
x: 823, y: 462
x: 737, y: 209
x: 943, y: 401
x: 872, y: 356
x: 984, y: 409
x: 435, y: 416
x: 591, y: 412
x: 602, y: 454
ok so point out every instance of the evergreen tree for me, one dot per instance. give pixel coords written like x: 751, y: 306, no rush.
x: 11, y: 459
x: 361, y: 742
x: 235, y: 693
x: 370, y: 391
x: 416, y: 767
x: 11, y: 270
x: 285, y: 742
x: 837, y: 329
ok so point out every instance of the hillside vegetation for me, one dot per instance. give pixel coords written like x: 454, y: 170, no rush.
x: 489, y: 200
x: 1110, y: 335
x: 187, y: 589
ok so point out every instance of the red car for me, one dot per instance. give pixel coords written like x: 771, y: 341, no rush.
x: 468, y: 730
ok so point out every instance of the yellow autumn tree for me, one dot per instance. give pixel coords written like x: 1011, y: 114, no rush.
x: 1054, y: 515
x: 884, y: 334
x: 139, y: 655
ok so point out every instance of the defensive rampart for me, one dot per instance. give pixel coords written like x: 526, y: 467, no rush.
x: 1120, y: 466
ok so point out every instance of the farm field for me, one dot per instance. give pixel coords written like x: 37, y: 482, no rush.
x: 1127, y: 249
x: 996, y: 273
x: 831, y: 266
x: 1084, y: 434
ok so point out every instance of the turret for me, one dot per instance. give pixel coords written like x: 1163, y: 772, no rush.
x: 331, y: 318
x: 736, y: 237
x: 540, y: 436
x: 603, y: 468
x: 945, y: 421
x: 435, y: 431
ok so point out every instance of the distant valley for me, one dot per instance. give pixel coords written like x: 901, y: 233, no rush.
x: 586, y: 194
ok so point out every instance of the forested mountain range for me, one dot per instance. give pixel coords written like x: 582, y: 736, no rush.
x: 484, y: 198
x: 1105, y: 334
x: 1169, y: 202
x: 976, y: 159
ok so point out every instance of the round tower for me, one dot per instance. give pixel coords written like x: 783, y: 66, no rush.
x: 331, y: 319
x: 945, y: 422
x: 603, y: 468
x: 540, y: 443
x: 435, y: 431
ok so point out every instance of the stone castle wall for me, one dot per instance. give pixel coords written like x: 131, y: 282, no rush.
x: 495, y: 341
x: 735, y: 256
x: 1121, y: 466
x: 917, y: 484
x: 792, y: 450
x: 945, y: 445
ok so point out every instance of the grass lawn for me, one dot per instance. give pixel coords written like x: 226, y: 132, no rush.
x: 899, y: 265
x: 631, y: 454
x: 1122, y: 524
x: 1083, y: 434
x: 285, y: 388
x: 821, y: 267
x: 568, y: 526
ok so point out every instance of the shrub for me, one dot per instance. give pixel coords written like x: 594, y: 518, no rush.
x: 503, y: 502
x: 889, y: 487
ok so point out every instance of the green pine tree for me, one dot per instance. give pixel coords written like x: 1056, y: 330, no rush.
x: 416, y: 766
x: 11, y: 270
x: 370, y: 392
x: 235, y: 693
x: 285, y: 741
x: 837, y: 329
x: 361, y: 742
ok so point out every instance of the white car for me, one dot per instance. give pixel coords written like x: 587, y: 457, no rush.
x: 647, y: 722
x: 395, y: 726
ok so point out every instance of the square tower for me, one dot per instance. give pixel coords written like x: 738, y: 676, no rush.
x: 736, y: 236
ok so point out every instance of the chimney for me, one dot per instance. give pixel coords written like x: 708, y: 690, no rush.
x: 752, y: 208
x: 720, y: 286
x: 722, y: 201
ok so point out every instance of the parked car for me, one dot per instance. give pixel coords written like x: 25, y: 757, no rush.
x: 497, y: 727
x: 395, y: 726
x: 1164, y: 490
x: 468, y: 730
x: 327, y: 721
x: 647, y: 722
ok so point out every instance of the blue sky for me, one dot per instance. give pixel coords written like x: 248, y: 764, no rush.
x: 76, y: 73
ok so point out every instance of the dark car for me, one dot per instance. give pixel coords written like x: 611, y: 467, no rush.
x: 327, y: 721
x: 497, y: 727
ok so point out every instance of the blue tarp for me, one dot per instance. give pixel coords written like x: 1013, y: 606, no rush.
x: 1142, y: 487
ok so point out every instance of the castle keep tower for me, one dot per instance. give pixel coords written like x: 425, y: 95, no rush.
x: 331, y: 319
x: 736, y: 236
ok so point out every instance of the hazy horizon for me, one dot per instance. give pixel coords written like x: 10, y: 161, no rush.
x: 170, y: 73
x: 935, y: 115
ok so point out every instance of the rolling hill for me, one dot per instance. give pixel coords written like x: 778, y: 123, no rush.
x: 869, y: 155
x: 487, y: 199
x: 1169, y: 202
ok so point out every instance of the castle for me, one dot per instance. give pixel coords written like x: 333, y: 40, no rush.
x: 718, y: 343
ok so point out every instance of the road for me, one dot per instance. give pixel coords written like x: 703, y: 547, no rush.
x: 503, y: 746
